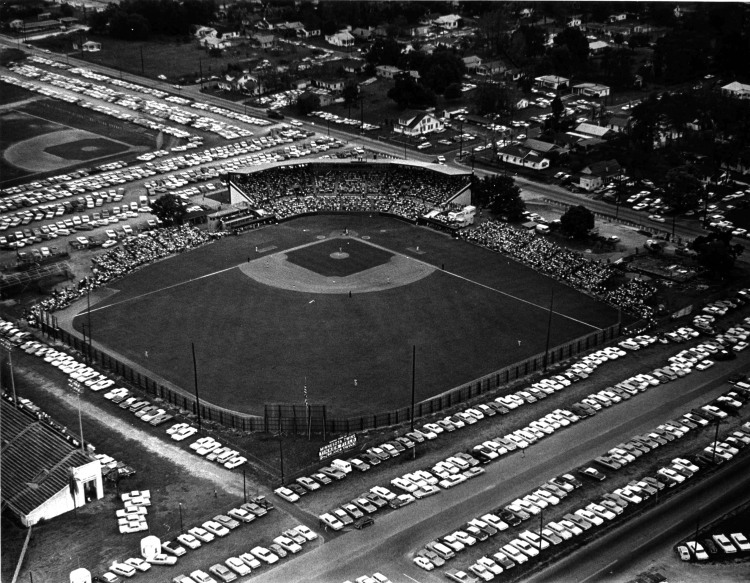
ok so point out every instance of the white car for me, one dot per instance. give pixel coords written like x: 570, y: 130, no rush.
x: 264, y: 555
x: 123, y: 569
x: 201, y: 534
x: 306, y: 532
x: 238, y: 566
x: 162, y: 559
x: 138, y: 563
x: 424, y: 563
x: 286, y: 494
x: 287, y: 544
x: 331, y: 521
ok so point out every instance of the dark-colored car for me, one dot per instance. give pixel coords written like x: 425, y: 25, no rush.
x: 364, y: 522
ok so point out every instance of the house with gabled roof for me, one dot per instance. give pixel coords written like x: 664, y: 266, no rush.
x: 589, y: 129
x: 417, y: 123
x: 736, y: 90
x: 522, y: 156
x: 472, y: 63
x: 595, y: 175
x: 44, y: 473
x: 340, y: 39
x: 449, y: 21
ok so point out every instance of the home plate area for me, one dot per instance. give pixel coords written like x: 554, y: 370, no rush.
x: 338, y: 265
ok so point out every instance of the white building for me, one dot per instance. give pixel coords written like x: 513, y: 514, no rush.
x: 417, y: 123
x: 552, y: 82
x: 449, y: 21
x: 44, y: 474
x: 340, y: 39
x: 736, y: 90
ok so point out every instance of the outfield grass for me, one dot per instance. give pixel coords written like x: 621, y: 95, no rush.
x: 257, y: 344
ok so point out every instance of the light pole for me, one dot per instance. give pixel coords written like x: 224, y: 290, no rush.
x: 180, y: 506
x: 9, y: 347
x: 77, y: 388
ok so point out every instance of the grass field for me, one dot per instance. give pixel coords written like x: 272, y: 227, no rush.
x: 257, y: 344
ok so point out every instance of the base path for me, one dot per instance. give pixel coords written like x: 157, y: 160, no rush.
x: 276, y: 271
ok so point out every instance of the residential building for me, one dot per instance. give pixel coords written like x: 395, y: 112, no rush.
x: 595, y: 175
x: 354, y: 66
x: 619, y: 124
x: 362, y: 33
x: 204, y: 31
x: 736, y: 90
x: 387, y: 71
x: 419, y: 30
x: 417, y: 123
x: 524, y: 157
x: 44, y: 473
x: 340, y: 39
x: 552, y: 82
x: 491, y: 68
x: 333, y: 84
x: 448, y: 22
x: 591, y: 90
x: 262, y: 41
x: 591, y: 130
x: 597, y: 47
x: 472, y: 63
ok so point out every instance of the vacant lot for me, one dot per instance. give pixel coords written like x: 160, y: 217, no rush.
x: 257, y: 344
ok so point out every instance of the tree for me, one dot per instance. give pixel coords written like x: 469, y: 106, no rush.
x: 501, y: 196
x: 682, y: 189
x: 453, y: 91
x: 308, y: 102
x: 441, y: 69
x: 577, y: 222
x: 170, y: 209
x: 557, y: 111
x: 350, y: 92
x: 717, y: 254
x: 578, y: 47
x: 408, y: 93
x: 384, y: 51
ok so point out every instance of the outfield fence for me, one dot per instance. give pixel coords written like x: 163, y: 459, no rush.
x: 304, y: 418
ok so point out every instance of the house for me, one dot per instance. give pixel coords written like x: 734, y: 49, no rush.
x: 448, y: 22
x: 387, y: 71
x: 741, y: 165
x: 419, y: 30
x: 619, y: 124
x: 417, y: 123
x: 619, y: 17
x: 301, y: 84
x: 204, y: 31
x: 552, y: 82
x: 491, y: 68
x: 591, y: 90
x: 541, y: 147
x: 91, y: 47
x: 333, y: 84
x: 44, y: 473
x: 736, y: 90
x: 591, y: 130
x: 340, y: 39
x: 521, y: 156
x: 354, y: 66
x: 597, y: 47
x: 574, y: 22
x: 263, y: 41
x: 472, y: 63
x: 36, y: 26
x: 522, y: 103
x: 212, y: 42
x: 596, y: 174
x: 324, y: 96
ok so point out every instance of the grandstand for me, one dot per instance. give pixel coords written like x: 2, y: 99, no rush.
x: 404, y: 188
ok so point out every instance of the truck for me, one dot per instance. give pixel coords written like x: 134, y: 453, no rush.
x: 464, y: 217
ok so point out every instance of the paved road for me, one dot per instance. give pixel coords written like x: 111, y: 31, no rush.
x: 615, y: 556
x: 387, y: 546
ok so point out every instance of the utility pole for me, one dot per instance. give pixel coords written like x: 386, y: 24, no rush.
x: 281, y: 455
x: 181, y: 527
x: 195, y: 378
x: 549, y: 329
x: 413, y: 375
x: 142, y: 73
x: 88, y: 316
x: 77, y: 388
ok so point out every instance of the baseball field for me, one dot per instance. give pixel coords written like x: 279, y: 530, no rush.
x: 334, y: 303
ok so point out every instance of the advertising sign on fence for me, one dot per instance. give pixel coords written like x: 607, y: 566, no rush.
x: 338, y: 445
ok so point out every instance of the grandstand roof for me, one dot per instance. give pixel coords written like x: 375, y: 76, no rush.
x: 36, y: 460
x: 440, y: 168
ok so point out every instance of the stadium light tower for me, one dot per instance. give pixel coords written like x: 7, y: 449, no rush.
x: 195, y: 378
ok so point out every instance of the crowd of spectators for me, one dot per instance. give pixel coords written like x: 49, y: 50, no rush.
x: 264, y: 187
x: 593, y: 277
x: 119, y: 261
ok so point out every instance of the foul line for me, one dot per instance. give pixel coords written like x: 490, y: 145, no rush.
x: 511, y: 296
x: 466, y: 279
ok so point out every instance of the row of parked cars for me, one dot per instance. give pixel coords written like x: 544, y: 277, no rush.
x: 338, y: 469
x: 615, y: 458
x: 530, y: 543
x: 214, y: 451
x: 717, y: 545
x: 142, y: 409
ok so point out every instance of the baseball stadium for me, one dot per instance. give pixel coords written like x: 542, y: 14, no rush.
x: 341, y: 287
